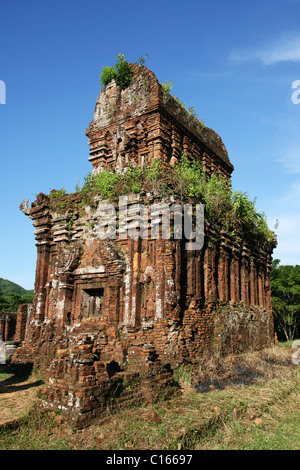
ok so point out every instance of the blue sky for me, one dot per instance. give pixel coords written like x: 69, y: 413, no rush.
x: 234, y: 61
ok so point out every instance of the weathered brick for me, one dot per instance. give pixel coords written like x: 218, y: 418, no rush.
x: 158, y: 304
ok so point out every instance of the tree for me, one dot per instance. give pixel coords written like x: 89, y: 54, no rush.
x: 121, y: 73
x: 3, y: 303
x: 285, y: 281
x: 12, y: 301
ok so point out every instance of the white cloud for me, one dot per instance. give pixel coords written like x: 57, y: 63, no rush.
x: 287, y: 48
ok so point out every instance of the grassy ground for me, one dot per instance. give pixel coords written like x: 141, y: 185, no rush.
x: 18, y: 388
x: 250, y: 401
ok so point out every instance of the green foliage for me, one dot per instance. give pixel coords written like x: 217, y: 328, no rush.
x: 153, y: 172
x: 12, y: 295
x: 10, y: 301
x: 153, y: 178
x: 249, y: 218
x: 121, y: 73
x: 58, y: 199
x: 107, y: 75
x: 233, y: 210
x: 110, y: 184
x: 285, y: 281
x: 142, y: 60
x: 34, y: 431
x: 192, y: 111
x: 167, y: 87
x: 56, y: 194
x: 27, y: 298
x: 189, y: 178
x: 192, y: 182
x: 13, y: 301
x: 133, y: 180
x: 104, y: 183
x: 243, y: 208
x: 184, y: 374
x: 2, y: 299
x: 179, y: 102
x: 229, y: 210
x: 217, y: 198
x: 11, y: 287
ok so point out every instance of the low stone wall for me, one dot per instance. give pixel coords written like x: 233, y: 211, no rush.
x: 13, y: 325
x: 23, y: 320
x: 83, y: 387
x: 7, y: 325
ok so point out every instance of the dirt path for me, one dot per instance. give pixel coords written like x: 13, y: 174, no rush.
x: 17, y: 394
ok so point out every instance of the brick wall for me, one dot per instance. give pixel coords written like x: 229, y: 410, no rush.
x: 111, y: 311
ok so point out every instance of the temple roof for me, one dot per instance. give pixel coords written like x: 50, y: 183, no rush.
x: 145, y: 95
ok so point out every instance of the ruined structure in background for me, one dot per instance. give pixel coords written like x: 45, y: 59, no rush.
x: 13, y: 327
x: 109, y: 312
x: 7, y: 325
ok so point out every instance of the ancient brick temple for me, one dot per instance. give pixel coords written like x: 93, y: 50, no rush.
x: 112, y: 311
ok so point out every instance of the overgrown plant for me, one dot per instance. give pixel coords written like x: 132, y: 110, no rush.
x: 230, y: 210
x: 188, y: 178
x: 104, y: 183
x: 110, y: 184
x: 217, y: 198
x: 223, y: 206
x: 167, y: 87
x: 249, y: 219
x: 121, y: 72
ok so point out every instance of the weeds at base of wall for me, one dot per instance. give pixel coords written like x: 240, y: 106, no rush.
x: 184, y: 373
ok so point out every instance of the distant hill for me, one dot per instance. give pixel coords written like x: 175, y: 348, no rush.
x: 10, y: 287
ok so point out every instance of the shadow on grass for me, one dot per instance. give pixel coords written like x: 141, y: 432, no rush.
x: 220, y: 377
x: 218, y: 373
x: 18, y: 378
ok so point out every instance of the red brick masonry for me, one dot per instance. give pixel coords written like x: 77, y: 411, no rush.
x: 111, y: 317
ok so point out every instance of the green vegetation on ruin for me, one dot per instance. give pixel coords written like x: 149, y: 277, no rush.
x: 227, y: 209
x: 191, y: 110
x: 121, y: 72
